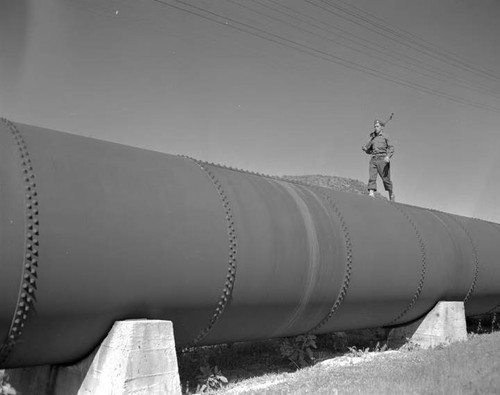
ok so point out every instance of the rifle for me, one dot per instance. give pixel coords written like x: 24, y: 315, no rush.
x: 388, y: 119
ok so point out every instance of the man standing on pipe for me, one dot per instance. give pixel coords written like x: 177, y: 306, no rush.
x: 381, y: 151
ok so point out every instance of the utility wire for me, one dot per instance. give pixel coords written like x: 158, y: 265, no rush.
x: 420, y: 41
x: 398, y: 56
x: 394, y: 36
x: 447, y: 78
x: 246, y: 28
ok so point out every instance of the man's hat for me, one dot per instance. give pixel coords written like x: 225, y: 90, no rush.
x: 378, y: 121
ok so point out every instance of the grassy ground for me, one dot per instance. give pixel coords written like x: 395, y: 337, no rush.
x: 464, y: 368
x: 346, y: 365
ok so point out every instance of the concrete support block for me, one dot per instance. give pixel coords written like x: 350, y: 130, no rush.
x: 137, y: 357
x: 443, y: 325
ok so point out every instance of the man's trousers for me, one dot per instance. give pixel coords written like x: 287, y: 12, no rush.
x: 379, y: 166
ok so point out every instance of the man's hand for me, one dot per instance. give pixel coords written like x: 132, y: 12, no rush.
x: 387, y: 159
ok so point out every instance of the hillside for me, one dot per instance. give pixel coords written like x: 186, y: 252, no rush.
x: 334, y: 182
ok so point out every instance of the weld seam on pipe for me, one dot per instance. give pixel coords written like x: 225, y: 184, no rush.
x: 349, y: 255
x: 232, y: 261
x: 423, y: 255
x: 26, y: 297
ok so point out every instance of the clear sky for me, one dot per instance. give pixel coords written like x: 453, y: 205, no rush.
x: 273, y: 86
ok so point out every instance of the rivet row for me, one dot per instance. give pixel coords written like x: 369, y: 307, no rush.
x: 349, y: 255
x: 476, y: 259
x: 231, y: 232
x: 28, y: 285
x: 423, y: 256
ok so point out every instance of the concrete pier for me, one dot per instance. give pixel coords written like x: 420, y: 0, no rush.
x: 443, y: 325
x: 137, y: 357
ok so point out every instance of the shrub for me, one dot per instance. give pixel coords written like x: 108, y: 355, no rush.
x: 298, y: 350
x: 210, y: 379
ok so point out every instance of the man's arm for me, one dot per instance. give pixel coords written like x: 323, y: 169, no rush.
x: 389, y: 149
x: 368, y: 147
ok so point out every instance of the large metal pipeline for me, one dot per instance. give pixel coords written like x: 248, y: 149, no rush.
x: 92, y: 232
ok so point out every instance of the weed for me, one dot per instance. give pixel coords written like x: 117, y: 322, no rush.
x: 298, y: 350
x: 5, y: 387
x: 210, y: 379
x: 379, y: 348
x: 479, y: 328
x: 494, y: 324
x: 357, y: 352
x: 410, y: 346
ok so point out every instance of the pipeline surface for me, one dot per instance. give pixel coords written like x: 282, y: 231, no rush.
x: 92, y: 232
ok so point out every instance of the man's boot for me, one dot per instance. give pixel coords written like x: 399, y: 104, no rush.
x: 392, y: 197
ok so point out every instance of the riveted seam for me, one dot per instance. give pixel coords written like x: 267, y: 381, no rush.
x: 423, y: 257
x: 26, y: 297
x: 232, y: 256
x: 476, y: 259
x: 349, y: 255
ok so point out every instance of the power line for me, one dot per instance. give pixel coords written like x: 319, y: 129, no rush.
x: 401, y: 39
x: 424, y: 43
x: 252, y: 30
x: 346, y: 35
x: 446, y: 77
